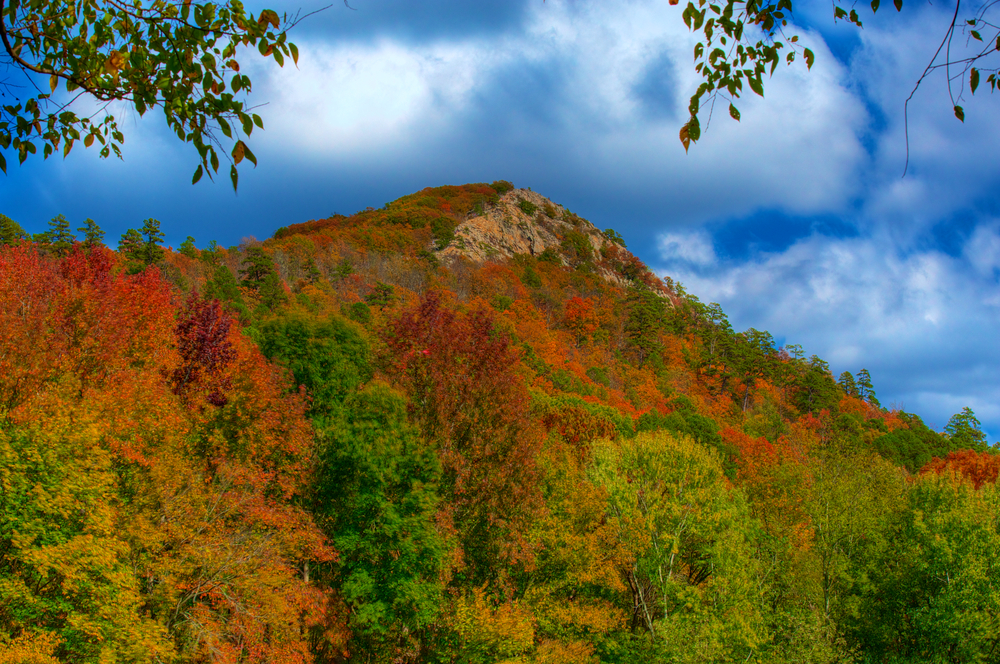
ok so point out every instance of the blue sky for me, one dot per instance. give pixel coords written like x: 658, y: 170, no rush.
x: 796, y: 219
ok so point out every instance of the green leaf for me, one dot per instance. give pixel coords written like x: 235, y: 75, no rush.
x: 734, y: 113
x: 756, y: 85
x: 975, y: 35
x: 234, y: 176
x: 899, y: 5
x: 295, y: 53
x: 3, y: 164
x: 249, y: 155
x: 280, y: 59
x: 875, y: 4
x: 257, y: 121
x: 959, y: 113
x: 197, y: 175
x: 974, y: 80
x: 810, y: 58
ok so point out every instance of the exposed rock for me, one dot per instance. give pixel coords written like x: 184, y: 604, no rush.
x: 523, y: 222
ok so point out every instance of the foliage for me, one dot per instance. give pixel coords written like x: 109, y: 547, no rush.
x: 745, y: 39
x: 691, y: 571
x: 174, y: 56
x: 10, y: 231
x: 417, y: 462
x: 376, y: 496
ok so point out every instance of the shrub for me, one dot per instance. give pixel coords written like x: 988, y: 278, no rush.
x: 527, y: 207
x: 501, y: 187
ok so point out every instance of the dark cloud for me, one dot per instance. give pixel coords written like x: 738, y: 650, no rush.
x: 412, y: 22
x: 656, y: 89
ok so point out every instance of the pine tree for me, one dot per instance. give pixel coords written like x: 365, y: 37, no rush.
x: 58, y: 237
x: 152, y: 252
x: 865, y: 390
x: 93, y: 236
x: 847, y: 384
x: 257, y: 265
x: 10, y: 231
x: 188, y: 249
x: 130, y: 244
x: 964, y: 432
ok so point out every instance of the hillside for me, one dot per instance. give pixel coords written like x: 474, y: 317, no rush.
x: 468, y: 426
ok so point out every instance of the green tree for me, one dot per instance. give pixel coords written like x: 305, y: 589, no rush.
x: 646, y: 311
x: 865, y: 389
x: 58, y: 237
x: 256, y: 266
x: 151, y: 252
x: 130, y: 244
x: 183, y: 58
x: 330, y: 359
x: 93, y: 236
x: 376, y: 497
x: 847, y: 384
x: 224, y: 287
x: 10, y: 231
x: 964, y: 431
x: 693, y: 578
x: 932, y: 591
x: 188, y: 249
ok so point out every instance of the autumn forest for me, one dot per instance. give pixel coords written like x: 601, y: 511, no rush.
x: 467, y: 426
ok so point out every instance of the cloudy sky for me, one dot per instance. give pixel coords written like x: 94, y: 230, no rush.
x: 796, y: 219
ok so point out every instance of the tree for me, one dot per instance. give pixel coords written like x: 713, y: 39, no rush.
x: 130, y: 243
x: 692, y: 574
x: 188, y: 249
x: 257, y: 264
x: 10, y: 231
x: 963, y: 429
x: 847, y: 384
x: 58, y: 236
x: 743, y: 42
x: 151, y: 251
x: 93, y: 236
x: 181, y: 57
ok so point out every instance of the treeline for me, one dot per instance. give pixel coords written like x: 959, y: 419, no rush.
x: 331, y: 447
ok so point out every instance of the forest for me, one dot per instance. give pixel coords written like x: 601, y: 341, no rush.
x: 351, y: 442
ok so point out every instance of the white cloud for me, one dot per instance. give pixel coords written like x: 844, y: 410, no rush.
x: 797, y: 151
x: 921, y: 322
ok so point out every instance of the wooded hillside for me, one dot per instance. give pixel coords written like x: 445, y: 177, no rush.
x: 395, y: 437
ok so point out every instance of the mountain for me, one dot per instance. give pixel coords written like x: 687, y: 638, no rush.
x: 468, y: 426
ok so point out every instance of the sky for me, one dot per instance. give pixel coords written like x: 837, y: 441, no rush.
x: 797, y: 219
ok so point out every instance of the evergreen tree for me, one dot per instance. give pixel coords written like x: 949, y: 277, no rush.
x: 188, y: 249
x: 257, y: 265
x: 10, y: 231
x: 866, y: 392
x: 224, y: 287
x: 964, y: 432
x: 151, y: 251
x: 382, y: 295
x: 93, y: 236
x: 58, y: 237
x: 130, y: 244
x: 847, y: 384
